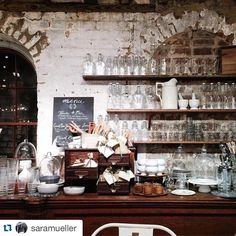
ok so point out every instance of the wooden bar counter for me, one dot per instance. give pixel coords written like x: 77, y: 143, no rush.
x: 197, y: 215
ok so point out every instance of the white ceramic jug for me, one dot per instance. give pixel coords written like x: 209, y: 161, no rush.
x: 168, y: 96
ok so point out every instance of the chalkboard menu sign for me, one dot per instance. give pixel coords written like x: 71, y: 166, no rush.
x: 67, y: 109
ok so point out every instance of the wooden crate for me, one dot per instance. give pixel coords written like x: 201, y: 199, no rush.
x: 228, y: 60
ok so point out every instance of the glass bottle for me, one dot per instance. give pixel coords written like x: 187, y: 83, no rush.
x: 152, y: 62
x: 121, y: 66
x: 136, y: 66
x: 88, y: 65
x: 108, y: 66
x: 124, y: 128
x: 116, y: 125
x: 144, y: 130
x: 110, y: 96
x: 115, y: 67
x: 129, y: 66
x: 163, y: 66
x: 135, y: 131
x: 100, y: 65
x: 138, y: 98
x: 143, y: 66
x: 219, y: 102
x: 126, y: 100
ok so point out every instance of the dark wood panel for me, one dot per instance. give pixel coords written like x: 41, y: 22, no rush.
x: 198, y: 215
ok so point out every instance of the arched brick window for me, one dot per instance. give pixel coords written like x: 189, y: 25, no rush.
x: 18, y: 100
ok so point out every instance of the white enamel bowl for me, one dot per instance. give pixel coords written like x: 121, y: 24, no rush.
x: 74, y: 190
x: 48, y: 188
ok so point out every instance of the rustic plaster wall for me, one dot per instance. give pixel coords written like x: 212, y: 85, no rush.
x: 58, y: 42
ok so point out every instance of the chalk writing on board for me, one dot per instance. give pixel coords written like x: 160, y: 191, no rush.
x: 67, y: 109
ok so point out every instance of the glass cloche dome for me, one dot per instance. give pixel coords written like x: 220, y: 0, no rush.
x: 50, y: 168
x: 26, y: 151
x: 204, y: 172
x: 179, y: 164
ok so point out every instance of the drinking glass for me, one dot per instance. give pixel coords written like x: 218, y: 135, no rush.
x: 33, y: 181
x: 12, y: 172
x: 3, y: 180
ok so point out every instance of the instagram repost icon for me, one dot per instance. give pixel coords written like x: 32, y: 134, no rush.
x: 21, y: 228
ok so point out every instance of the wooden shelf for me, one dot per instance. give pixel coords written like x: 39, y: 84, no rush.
x: 177, y: 142
x: 157, y: 77
x: 171, y: 111
x: 18, y: 123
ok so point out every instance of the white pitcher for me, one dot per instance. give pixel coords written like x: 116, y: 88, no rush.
x: 169, y: 95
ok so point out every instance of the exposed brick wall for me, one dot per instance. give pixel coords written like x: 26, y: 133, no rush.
x: 58, y: 42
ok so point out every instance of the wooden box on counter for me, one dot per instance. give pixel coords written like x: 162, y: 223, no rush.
x: 118, y: 188
x: 123, y: 160
x: 76, y: 174
x: 81, y: 175
x: 74, y: 168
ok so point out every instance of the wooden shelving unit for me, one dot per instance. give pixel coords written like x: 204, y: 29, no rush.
x: 177, y: 142
x: 158, y: 77
x: 152, y: 111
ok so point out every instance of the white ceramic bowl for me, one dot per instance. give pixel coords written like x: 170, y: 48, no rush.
x: 183, y: 103
x: 48, y: 188
x: 141, y: 161
x: 194, y: 103
x: 161, y: 161
x: 141, y: 168
x: 151, y: 170
x: 151, y: 162
x: 74, y: 190
x: 161, y: 168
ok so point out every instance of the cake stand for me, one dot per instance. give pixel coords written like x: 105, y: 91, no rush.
x: 204, y: 184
